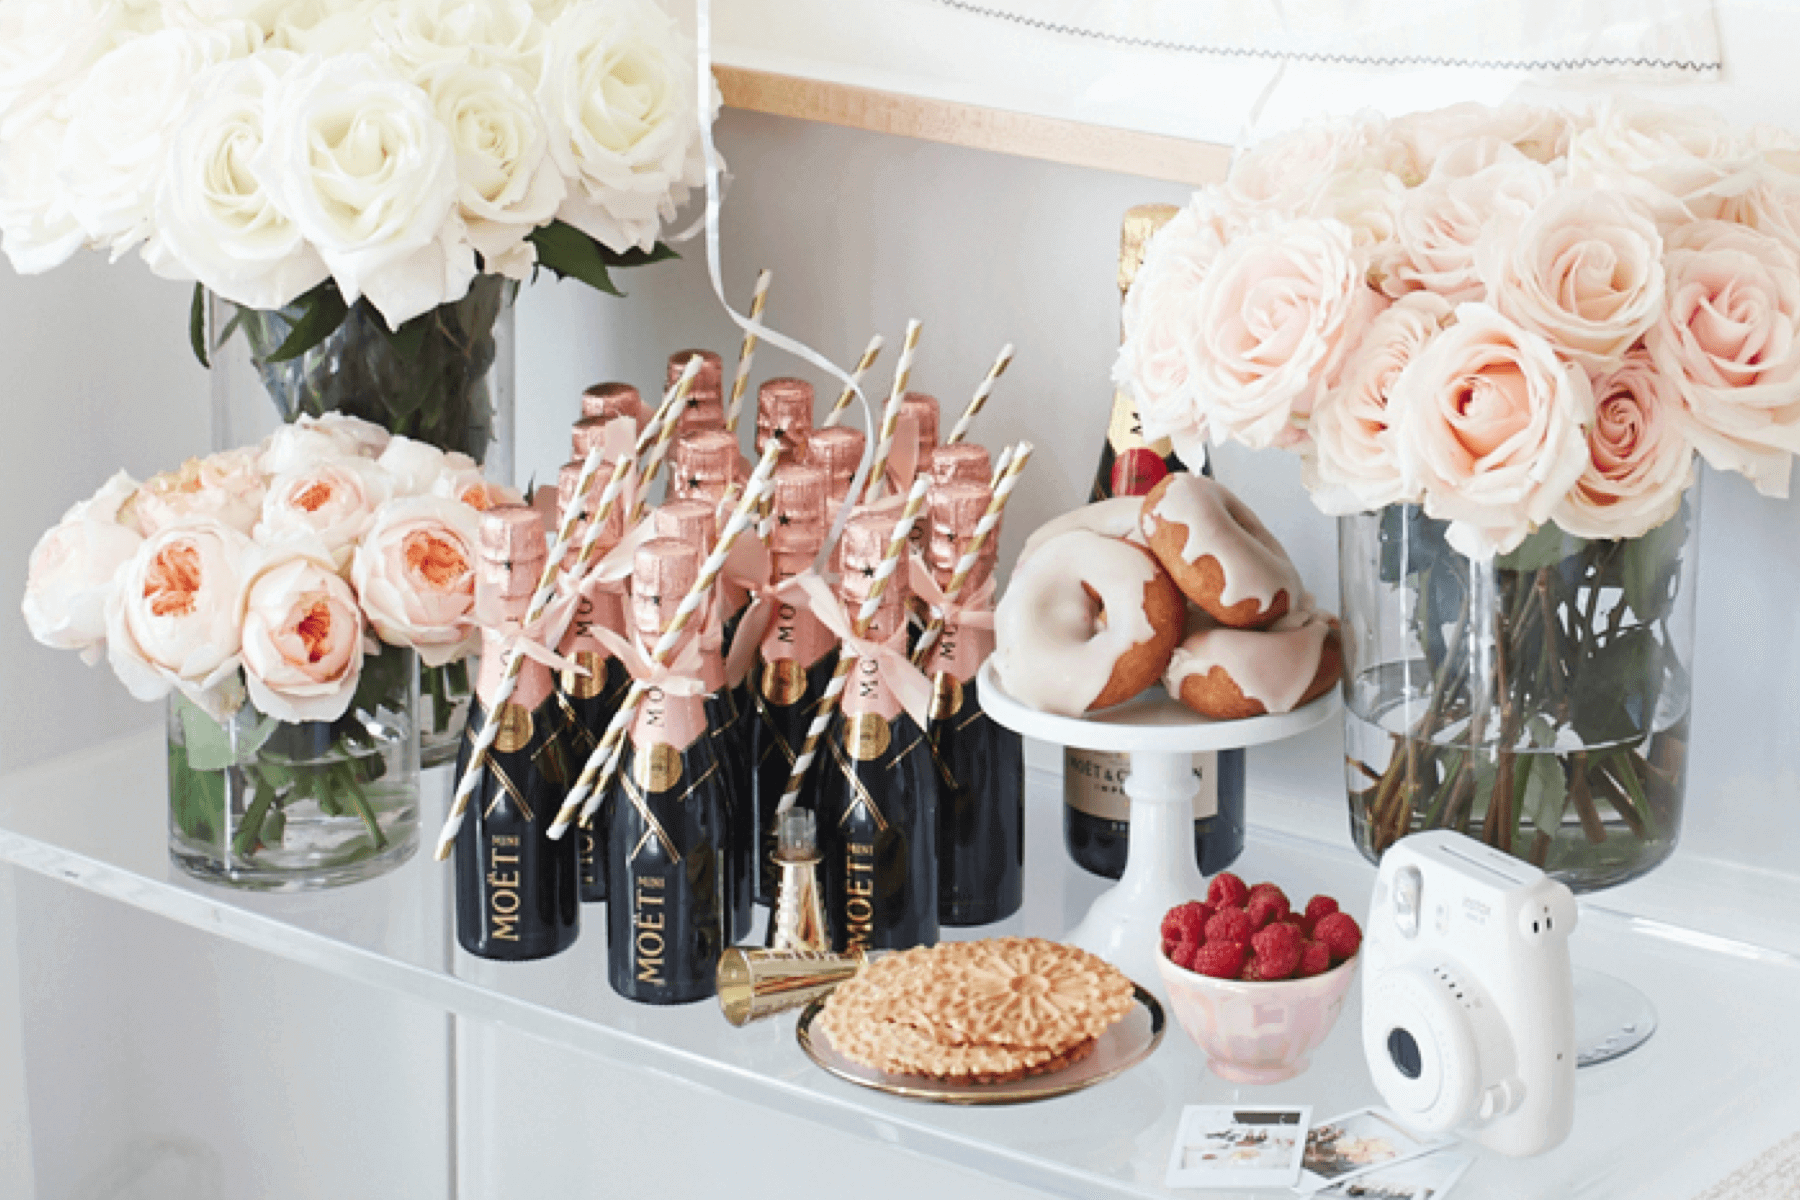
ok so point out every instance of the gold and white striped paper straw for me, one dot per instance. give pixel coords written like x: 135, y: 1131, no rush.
x: 515, y: 658
x: 982, y: 393
x: 584, y: 798
x: 890, y: 415
x: 890, y: 562
x: 863, y: 364
x: 1005, y: 461
x: 984, y: 527
x: 740, y: 383
x: 664, y: 436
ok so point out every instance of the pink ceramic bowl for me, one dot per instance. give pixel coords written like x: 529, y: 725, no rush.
x: 1257, y: 1032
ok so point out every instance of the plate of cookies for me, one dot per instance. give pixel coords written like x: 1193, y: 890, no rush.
x: 994, y: 1021
x: 1184, y: 587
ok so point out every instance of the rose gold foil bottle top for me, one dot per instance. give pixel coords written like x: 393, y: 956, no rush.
x: 662, y: 574
x: 923, y: 409
x: 798, y: 511
x: 784, y: 409
x: 510, y: 554
x: 711, y: 379
x: 609, y: 401
x: 836, y: 451
x: 566, y: 479
x: 695, y: 522
x: 705, y: 464
x: 953, y: 513
x: 865, y: 543
x: 584, y: 435
x: 964, y: 462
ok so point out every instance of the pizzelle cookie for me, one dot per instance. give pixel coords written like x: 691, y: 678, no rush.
x: 988, y: 1011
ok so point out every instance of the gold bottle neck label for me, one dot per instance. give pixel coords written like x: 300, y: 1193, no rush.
x: 1125, y: 432
x: 1094, y: 784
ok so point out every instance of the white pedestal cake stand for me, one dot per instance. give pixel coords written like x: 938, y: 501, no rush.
x: 1162, y: 736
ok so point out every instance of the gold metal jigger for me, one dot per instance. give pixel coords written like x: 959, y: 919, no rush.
x: 758, y: 983
x: 797, y: 918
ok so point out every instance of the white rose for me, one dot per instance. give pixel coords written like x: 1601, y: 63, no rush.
x: 333, y: 500
x: 173, y: 618
x: 1584, y: 270
x: 1639, y: 457
x: 215, y: 220
x: 1771, y: 206
x: 1491, y: 426
x: 359, y: 161
x: 423, y: 34
x: 507, y: 185
x: 330, y: 435
x: 1540, y: 134
x: 1683, y: 163
x: 37, y: 229
x: 415, y: 574
x: 1274, y: 318
x: 1353, y: 467
x: 1285, y: 174
x: 324, y: 27
x: 1155, y: 360
x: 44, y: 45
x: 303, y: 634
x: 413, y: 467
x: 1438, y: 225
x: 122, y: 117
x: 618, y: 97
x: 1731, y: 337
x: 191, y: 493
x: 1366, y: 201
x: 73, y: 567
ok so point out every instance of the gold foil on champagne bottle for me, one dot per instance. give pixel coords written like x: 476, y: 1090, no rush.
x: 657, y: 767
x: 586, y: 687
x: 515, y: 727
x: 946, y: 697
x: 783, y: 682
x: 1140, y: 225
x: 867, y: 736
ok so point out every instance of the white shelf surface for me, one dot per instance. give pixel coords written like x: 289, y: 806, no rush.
x: 1712, y: 1090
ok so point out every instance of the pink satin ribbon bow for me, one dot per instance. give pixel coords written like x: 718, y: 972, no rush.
x: 906, y: 681
x: 678, y: 677
x: 750, y: 631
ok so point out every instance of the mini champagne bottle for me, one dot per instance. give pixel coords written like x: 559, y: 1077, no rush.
x: 794, y: 661
x: 516, y: 891
x: 784, y: 411
x: 667, y: 814
x: 877, y: 805
x: 706, y: 395
x: 980, y: 764
x: 836, y: 450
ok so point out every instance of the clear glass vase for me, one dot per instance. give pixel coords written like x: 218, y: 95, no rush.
x: 272, y: 805
x: 1538, y: 702
x: 445, y: 378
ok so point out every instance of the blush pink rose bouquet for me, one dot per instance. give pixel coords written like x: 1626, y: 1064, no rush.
x: 277, y: 595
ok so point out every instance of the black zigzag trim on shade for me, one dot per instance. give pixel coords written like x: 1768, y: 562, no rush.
x: 1357, y: 60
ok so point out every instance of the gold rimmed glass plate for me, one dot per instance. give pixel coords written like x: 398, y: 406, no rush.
x: 1126, y: 1044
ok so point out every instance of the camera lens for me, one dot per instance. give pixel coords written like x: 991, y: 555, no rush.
x: 1404, y: 1050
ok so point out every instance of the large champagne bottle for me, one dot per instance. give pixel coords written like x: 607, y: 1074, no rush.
x: 1096, y: 811
x: 516, y: 894
x: 980, y: 764
x: 878, y: 796
x: 667, y: 815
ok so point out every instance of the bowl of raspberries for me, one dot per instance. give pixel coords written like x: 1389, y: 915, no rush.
x: 1257, y: 984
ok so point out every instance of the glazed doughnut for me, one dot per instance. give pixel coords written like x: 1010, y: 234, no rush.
x: 1229, y: 674
x: 1114, y: 518
x: 1088, y: 623
x: 1220, y: 556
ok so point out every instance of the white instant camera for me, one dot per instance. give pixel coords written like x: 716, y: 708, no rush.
x: 1468, y: 1008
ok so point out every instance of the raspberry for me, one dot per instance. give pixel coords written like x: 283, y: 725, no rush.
x: 1265, y: 908
x: 1221, y: 960
x: 1182, y: 955
x: 1227, y: 891
x: 1319, y: 906
x: 1269, y: 889
x: 1186, y: 922
x: 1230, y: 925
x: 1340, y: 934
x: 1277, y: 951
x: 1315, y: 959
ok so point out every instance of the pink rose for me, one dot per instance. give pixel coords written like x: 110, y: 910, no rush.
x: 1584, y: 270
x: 1771, y: 206
x: 1273, y: 320
x: 73, y: 567
x: 1682, y: 163
x: 1429, y: 138
x: 414, y: 573
x: 199, y: 491
x: 173, y: 620
x: 1639, y: 457
x: 1438, y: 225
x: 303, y: 634
x: 333, y: 500
x: 1490, y: 425
x: 1731, y: 337
x: 1284, y: 174
x: 1353, y: 467
x: 1155, y: 360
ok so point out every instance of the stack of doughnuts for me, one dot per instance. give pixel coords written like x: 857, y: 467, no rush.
x: 1186, y: 586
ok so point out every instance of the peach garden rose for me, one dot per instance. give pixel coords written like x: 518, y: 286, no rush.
x: 414, y: 573
x: 303, y: 634
x: 173, y: 618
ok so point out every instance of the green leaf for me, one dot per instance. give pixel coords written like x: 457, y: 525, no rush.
x: 197, y: 326
x: 661, y: 252
x: 322, y: 310
x: 406, y: 340
x: 1546, y: 793
x: 1545, y: 548
x: 208, y: 743
x: 572, y: 254
x: 1650, y: 562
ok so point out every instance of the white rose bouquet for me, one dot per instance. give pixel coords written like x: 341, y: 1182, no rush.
x: 1512, y: 334
x: 273, y: 591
